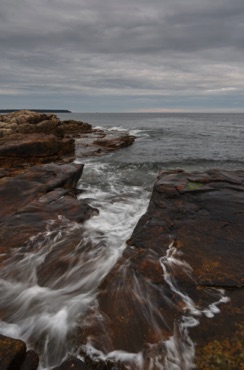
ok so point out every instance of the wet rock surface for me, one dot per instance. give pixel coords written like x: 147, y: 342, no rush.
x: 99, y: 143
x: 193, y: 231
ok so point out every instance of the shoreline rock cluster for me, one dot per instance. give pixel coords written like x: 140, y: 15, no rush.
x: 38, y: 183
x: 29, y: 138
x: 201, y: 215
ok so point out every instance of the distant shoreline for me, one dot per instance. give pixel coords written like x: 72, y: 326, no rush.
x: 37, y: 110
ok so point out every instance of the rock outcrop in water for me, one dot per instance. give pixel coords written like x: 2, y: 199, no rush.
x: 29, y: 138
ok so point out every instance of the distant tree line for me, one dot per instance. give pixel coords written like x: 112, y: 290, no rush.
x: 37, y: 110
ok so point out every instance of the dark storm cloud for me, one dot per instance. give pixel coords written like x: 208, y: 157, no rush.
x: 161, y: 48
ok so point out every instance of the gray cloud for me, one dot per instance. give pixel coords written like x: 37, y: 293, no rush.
x: 166, y: 50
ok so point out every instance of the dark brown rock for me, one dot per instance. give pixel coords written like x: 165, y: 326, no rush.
x: 12, y: 353
x: 35, y: 145
x: 31, y: 361
x: 16, y: 192
x: 72, y: 363
x: 114, y: 141
x: 66, y: 147
x: 75, y: 128
x: 99, y: 143
x: 24, y: 150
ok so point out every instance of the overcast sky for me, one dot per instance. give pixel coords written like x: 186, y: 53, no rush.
x: 130, y: 55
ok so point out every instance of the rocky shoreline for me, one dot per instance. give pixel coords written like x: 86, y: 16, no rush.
x: 38, y: 183
x: 196, y: 219
x: 30, y: 138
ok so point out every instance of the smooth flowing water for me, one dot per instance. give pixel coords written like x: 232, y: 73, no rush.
x: 49, y: 310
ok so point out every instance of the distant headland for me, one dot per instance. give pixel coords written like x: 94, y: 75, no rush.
x: 37, y: 110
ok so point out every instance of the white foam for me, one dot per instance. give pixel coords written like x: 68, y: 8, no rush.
x: 129, y: 358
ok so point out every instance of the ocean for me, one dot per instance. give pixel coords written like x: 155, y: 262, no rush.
x: 119, y: 185
x: 193, y: 141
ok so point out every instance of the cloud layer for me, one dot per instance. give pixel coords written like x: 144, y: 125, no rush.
x: 93, y: 55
